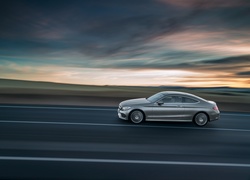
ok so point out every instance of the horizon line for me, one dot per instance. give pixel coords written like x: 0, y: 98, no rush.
x: 159, y: 86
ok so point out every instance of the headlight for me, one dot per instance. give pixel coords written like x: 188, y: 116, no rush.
x: 126, y: 108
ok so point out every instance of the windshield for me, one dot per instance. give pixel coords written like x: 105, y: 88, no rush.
x: 155, y: 97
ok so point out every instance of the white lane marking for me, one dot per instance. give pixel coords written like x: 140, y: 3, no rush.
x: 93, y: 109
x: 63, y: 108
x: 123, y: 161
x: 121, y: 125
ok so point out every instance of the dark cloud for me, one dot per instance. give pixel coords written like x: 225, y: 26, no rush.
x: 207, y: 4
x: 245, y: 73
x: 94, y: 28
x: 230, y: 64
x: 229, y: 60
x: 127, y: 34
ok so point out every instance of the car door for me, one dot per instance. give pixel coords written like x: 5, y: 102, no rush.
x: 168, y: 108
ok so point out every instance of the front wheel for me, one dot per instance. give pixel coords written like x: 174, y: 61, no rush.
x: 201, y: 119
x: 136, y: 116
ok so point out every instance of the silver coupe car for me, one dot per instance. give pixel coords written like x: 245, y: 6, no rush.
x: 169, y: 106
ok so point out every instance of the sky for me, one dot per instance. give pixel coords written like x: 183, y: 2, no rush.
x: 193, y: 43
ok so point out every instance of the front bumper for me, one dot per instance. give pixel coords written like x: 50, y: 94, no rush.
x: 123, y: 114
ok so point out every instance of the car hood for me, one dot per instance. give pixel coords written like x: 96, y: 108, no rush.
x: 132, y: 102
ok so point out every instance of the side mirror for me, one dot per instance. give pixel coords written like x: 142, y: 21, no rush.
x: 160, y: 102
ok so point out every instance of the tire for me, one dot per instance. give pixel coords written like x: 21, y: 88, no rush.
x: 136, y: 116
x: 201, y: 119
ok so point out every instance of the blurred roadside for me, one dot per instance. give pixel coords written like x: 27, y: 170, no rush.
x: 44, y: 93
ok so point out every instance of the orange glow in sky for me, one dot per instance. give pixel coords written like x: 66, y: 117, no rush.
x: 128, y: 77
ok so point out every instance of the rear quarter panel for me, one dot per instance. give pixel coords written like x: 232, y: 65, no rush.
x: 191, y: 109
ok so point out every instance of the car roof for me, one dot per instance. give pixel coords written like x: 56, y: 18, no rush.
x: 175, y: 92
x: 181, y: 93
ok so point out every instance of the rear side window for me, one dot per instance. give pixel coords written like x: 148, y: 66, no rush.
x: 172, y: 99
x: 188, y: 100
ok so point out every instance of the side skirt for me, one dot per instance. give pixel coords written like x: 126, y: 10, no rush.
x: 168, y: 120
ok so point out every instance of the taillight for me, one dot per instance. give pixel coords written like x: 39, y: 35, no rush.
x: 215, y: 108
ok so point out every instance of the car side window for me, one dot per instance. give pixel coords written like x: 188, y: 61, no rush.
x: 172, y: 99
x: 188, y: 100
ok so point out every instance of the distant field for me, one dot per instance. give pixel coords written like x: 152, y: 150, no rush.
x: 29, y: 92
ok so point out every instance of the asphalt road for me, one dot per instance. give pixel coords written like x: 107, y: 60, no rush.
x: 62, y: 142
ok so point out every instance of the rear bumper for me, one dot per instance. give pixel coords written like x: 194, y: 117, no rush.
x: 214, y: 116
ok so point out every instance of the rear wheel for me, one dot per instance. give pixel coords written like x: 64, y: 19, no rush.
x: 136, y: 116
x: 201, y: 119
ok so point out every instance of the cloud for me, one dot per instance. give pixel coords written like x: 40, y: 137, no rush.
x: 230, y: 60
x: 245, y: 73
x: 94, y: 29
x: 241, y: 61
x: 107, y: 30
x: 206, y: 3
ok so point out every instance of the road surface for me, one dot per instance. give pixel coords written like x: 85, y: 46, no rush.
x: 67, y: 142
